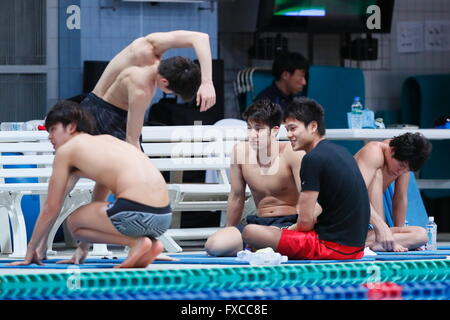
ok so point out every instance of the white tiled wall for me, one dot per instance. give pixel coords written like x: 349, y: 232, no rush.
x: 104, y: 32
x: 383, y: 87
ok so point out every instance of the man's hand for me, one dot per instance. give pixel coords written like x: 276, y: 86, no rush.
x: 206, y: 96
x: 31, y: 257
x: 78, y: 257
x: 386, y: 239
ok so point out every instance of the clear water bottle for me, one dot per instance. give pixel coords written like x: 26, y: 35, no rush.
x: 12, y: 126
x: 432, y: 234
x: 357, y: 114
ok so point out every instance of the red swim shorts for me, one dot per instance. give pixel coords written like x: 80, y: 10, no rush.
x: 307, y: 246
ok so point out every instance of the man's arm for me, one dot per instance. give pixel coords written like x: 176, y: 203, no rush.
x: 138, y: 100
x: 162, y: 41
x: 400, y: 200
x: 100, y: 192
x: 295, y: 160
x: 369, y: 160
x: 71, y: 182
x: 307, y: 217
x: 236, y: 198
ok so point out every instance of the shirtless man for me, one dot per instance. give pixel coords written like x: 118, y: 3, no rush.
x: 270, y: 169
x: 129, y: 82
x: 139, y: 215
x: 382, y: 163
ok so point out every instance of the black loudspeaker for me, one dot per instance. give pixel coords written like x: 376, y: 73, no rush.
x: 92, y: 71
x: 361, y: 49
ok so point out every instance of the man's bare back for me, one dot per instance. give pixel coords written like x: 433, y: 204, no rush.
x: 102, y: 158
x: 139, y: 60
x: 132, y: 77
x: 273, y: 186
x: 379, y: 155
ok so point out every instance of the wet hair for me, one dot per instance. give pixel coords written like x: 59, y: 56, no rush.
x: 413, y: 148
x: 264, y: 111
x: 288, y: 61
x: 66, y: 112
x: 306, y: 110
x: 183, y: 75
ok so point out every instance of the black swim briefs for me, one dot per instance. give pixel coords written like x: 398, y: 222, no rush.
x: 280, y: 222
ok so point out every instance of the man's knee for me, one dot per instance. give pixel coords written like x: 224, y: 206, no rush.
x: 221, y: 244
x: 212, y: 245
x: 73, y: 222
x: 250, y: 232
x: 420, y: 234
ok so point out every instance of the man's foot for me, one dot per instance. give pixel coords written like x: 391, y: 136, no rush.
x: 399, y: 248
x: 139, y: 253
x: 378, y: 247
x: 149, y: 257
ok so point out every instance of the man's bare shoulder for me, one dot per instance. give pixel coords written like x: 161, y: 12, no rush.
x: 239, y: 152
x: 75, y: 143
x: 287, y: 152
x: 240, y: 147
x: 372, y: 152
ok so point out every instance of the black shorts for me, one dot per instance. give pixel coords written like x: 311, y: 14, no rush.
x: 109, y: 118
x: 280, y: 222
x: 135, y: 219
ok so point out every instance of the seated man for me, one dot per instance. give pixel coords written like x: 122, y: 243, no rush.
x: 382, y: 163
x: 270, y: 169
x: 331, y: 177
x: 139, y: 215
x: 289, y: 70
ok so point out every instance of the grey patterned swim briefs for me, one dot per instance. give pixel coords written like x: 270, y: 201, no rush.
x: 134, y: 219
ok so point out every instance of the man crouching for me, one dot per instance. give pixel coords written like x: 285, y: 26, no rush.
x: 141, y: 211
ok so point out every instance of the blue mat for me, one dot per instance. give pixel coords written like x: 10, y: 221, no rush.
x: 202, y: 259
x: 59, y: 266
x: 389, y: 257
x: 208, y: 260
x: 184, y: 259
x: 444, y: 247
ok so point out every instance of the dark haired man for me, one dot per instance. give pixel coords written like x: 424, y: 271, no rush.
x: 128, y: 84
x: 289, y: 70
x: 270, y: 169
x: 329, y: 176
x: 382, y: 163
x: 139, y: 215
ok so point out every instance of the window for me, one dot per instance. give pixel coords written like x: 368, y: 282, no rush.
x: 26, y: 76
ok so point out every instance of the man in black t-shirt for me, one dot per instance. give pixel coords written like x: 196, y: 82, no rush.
x: 330, y: 177
x: 289, y: 71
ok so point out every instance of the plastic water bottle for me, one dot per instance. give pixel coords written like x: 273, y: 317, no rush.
x: 432, y: 234
x: 12, y: 126
x: 262, y: 257
x: 356, y: 114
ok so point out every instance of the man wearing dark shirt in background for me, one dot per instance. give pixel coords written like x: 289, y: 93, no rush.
x: 330, y: 176
x: 289, y: 70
